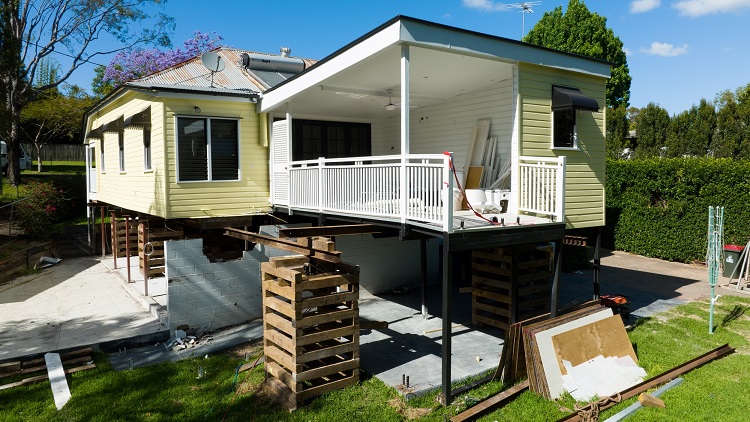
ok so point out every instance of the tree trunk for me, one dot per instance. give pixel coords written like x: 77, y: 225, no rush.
x: 38, y: 156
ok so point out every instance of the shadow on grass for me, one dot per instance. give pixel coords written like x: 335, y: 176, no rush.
x: 734, y: 314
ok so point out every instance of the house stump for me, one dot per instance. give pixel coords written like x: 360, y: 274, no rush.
x: 509, y: 284
x: 310, y: 328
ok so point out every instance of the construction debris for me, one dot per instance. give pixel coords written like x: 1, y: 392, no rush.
x: 38, y: 364
x: 58, y: 382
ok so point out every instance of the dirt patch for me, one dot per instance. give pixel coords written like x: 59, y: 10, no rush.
x: 410, y: 413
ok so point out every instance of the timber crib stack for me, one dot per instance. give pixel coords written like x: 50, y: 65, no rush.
x: 121, y: 230
x: 509, y: 284
x: 151, y: 248
x: 310, y: 328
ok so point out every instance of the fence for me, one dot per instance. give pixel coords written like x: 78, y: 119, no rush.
x: 57, y: 152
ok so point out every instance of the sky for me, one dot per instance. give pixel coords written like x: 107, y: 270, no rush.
x: 678, y: 51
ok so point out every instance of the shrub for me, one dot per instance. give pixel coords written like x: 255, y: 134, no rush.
x: 659, y: 207
x: 43, y: 206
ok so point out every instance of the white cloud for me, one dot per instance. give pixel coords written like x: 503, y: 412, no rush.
x: 628, y: 52
x: 665, y: 50
x: 695, y: 8
x: 640, y: 6
x: 485, y: 5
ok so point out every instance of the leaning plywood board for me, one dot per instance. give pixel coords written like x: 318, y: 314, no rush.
x: 606, y: 337
x: 478, y: 134
x: 473, y: 180
x: 552, y: 372
x: 59, y: 384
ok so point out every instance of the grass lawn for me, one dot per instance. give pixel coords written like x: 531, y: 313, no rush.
x: 166, y: 392
x: 58, y: 172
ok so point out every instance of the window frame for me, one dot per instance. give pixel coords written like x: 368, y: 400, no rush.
x: 327, y: 126
x: 121, y: 149
x: 147, y: 163
x: 574, y: 146
x: 207, y: 120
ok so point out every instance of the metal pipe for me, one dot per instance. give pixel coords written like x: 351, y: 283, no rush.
x: 113, y: 226
x: 127, y: 245
x: 104, y: 232
x: 146, y: 257
x: 597, y: 264
x: 556, y: 279
x: 423, y: 271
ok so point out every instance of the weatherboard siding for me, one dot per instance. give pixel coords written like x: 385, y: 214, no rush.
x: 134, y: 188
x: 584, y: 187
x: 216, y: 199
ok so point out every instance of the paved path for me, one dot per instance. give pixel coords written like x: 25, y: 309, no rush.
x: 652, y: 285
x: 76, y: 303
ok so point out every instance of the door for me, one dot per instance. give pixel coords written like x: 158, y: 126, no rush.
x: 279, y: 163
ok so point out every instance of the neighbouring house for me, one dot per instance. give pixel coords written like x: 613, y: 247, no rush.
x: 382, y: 131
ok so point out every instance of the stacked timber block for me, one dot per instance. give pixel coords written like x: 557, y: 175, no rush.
x: 310, y: 328
x: 151, y: 248
x: 509, y: 284
x: 124, y: 236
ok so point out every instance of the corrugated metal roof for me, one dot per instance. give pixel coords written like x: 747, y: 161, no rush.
x: 191, y: 75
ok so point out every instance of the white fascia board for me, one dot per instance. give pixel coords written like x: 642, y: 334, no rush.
x: 480, y: 45
x: 315, y: 76
x: 198, y: 96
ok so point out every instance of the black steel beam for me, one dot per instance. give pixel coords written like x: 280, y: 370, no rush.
x: 348, y: 229
x: 447, y: 326
x: 597, y: 264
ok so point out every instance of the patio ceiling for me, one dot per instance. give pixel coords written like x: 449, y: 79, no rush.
x: 361, y: 90
x: 444, y: 62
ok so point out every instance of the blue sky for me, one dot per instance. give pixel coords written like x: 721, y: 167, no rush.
x: 679, y: 51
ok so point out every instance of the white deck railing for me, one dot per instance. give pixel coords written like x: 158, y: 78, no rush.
x: 382, y: 186
x: 411, y: 188
x: 542, y: 186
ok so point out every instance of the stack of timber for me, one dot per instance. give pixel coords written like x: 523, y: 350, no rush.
x: 310, y: 328
x: 151, y: 248
x: 509, y: 284
x: 124, y: 236
x: 74, y: 361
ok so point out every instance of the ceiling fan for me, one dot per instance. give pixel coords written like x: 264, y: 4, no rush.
x: 390, y: 105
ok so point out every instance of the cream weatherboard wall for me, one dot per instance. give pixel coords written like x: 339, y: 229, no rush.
x: 134, y: 188
x: 250, y: 194
x: 157, y: 192
x: 584, y: 184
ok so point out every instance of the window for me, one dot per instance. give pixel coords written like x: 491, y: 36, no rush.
x: 101, y: 153
x: 121, y: 148
x: 312, y: 139
x: 207, y: 149
x: 564, y: 129
x: 146, y: 148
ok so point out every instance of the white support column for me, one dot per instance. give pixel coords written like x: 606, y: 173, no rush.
x: 404, y: 129
x: 448, y: 194
x: 560, y: 190
x: 289, y: 156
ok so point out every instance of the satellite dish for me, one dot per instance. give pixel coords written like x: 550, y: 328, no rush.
x: 212, y: 61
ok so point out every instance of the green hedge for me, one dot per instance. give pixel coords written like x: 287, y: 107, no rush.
x: 659, y: 207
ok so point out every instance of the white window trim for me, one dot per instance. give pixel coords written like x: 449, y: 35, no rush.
x: 576, y: 146
x: 101, y: 156
x: 148, y: 165
x: 121, y: 150
x: 208, y: 148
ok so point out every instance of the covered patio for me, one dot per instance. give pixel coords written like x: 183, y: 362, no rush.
x: 385, y: 129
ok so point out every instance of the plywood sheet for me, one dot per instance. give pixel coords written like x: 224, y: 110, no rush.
x: 473, y: 178
x: 552, y: 372
x: 606, y: 337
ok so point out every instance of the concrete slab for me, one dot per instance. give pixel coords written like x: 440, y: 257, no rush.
x: 76, y: 303
x: 412, y: 345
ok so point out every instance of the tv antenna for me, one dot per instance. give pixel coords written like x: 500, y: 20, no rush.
x: 213, y: 62
x: 523, y: 8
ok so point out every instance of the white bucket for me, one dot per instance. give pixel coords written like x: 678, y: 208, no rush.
x: 457, y: 198
x: 476, y: 197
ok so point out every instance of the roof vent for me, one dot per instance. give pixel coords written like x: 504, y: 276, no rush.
x: 285, y: 51
x: 245, y: 59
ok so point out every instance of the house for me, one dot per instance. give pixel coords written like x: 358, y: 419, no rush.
x: 381, y: 132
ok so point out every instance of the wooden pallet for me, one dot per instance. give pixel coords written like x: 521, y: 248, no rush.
x: 310, y: 328
x: 509, y: 284
x: 120, y: 241
x: 74, y: 361
x: 151, y: 241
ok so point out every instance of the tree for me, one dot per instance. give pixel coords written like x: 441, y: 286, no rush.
x: 617, y: 132
x: 581, y: 32
x: 652, y: 124
x: 31, y: 30
x: 732, y: 137
x: 55, y: 117
x: 129, y: 65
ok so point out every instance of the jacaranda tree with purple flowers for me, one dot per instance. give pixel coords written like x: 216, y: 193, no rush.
x: 129, y: 65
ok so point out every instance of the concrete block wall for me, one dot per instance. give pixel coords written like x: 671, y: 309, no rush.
x: 214, y: 294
